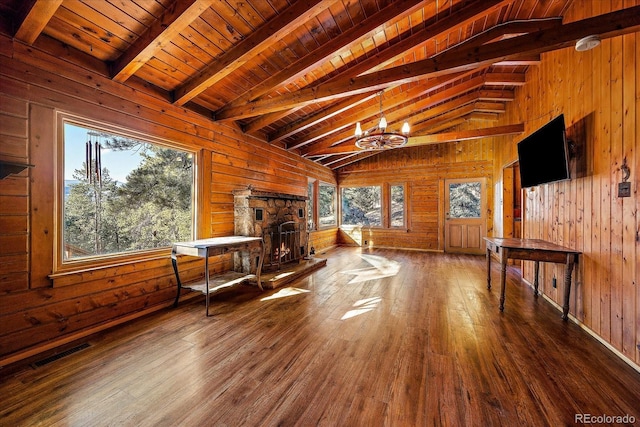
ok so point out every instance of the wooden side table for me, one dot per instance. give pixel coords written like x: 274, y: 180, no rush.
x: 531, y: 250
x: 206, y: 248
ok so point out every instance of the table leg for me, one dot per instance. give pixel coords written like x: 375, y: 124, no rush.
x: 206, y: 281
x: 536, y: 269
x: 488, y: 268
x: 174, y: 262
x: 567, y: 285
x: 259, y: 265
x: 503, y: 275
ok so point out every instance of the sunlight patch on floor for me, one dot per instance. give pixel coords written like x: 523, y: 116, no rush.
x: 361, y: 307
x: 282, y: 275
x: 286, y: 292
x: 380, y: 267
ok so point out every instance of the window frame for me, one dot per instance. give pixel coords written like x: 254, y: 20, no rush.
x: 312, y: 205
x: 382, y: 207
x: 404, y: 206
x: 335, y: 207
x: 61, y: 265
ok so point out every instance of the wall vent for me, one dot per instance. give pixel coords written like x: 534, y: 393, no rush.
x: 59, y: 356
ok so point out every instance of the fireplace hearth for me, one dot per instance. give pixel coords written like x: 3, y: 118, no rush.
x: 280, y: 219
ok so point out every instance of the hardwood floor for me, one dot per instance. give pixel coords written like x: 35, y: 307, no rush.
x: 379, y: 337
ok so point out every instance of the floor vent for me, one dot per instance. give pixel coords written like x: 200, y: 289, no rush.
x: 58, y: 356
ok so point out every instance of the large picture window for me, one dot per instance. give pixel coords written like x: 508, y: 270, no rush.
x: 361, y: 206
x: 326, y: 205
x: 122, y: 193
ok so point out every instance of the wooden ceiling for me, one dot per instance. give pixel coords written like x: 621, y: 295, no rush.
x: 300, y: 74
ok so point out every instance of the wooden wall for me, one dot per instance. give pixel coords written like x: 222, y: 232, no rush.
x: 38, y: 313
x: 599, y: 93
x: 423, y: 169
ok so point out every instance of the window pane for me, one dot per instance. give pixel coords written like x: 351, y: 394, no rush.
x: 361, y: 206
x: 397, y: 205
x: 326, y: 204
x: 310, y: 203
x: 464, y: 200
x: 134, y: 195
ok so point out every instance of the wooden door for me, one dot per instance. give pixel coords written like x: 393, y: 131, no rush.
x: 465, y: 215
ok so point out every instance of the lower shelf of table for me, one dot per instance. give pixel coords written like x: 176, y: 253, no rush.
x: 220, y: 281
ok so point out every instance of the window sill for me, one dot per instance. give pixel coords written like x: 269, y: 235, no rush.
x: 83, y: 271
x: 326, y: 227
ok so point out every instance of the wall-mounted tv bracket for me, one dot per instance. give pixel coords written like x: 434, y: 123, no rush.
x: 572, y: 148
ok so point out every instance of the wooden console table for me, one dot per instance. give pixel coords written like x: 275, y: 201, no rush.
x: 206, y: 248
x: 531, y: 250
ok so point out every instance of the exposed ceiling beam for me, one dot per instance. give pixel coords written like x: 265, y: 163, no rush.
x: 490, y: 79
x: 607, y: 25
x: 332, y: 111
x: 177, y: 17
x: 425, y: 119
x: 438, y: 138
x: 267, y: 119
x: 507, y: 30
x: 365, y: 115
x: 394, y: 10
x: 427, y: 126
x: 339, y: 162
x: 440, y: 24
x: 464, y: 135
x: 504, y: 79
x: 450, y: 124
x: 478, y: 98
x: 266, y: 35
x: 519, y: 60
x: 490, y: 107
x: 443, y: 22
x: 369, y: 118
x: 35, y: 16
x: 482, y: 116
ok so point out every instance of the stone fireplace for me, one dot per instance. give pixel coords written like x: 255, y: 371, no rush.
x: 280, y: 219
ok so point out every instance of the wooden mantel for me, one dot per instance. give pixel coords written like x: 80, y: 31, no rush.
x: 258, y: 194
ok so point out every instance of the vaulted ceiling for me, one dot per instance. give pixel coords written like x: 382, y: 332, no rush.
x: 300, y: 74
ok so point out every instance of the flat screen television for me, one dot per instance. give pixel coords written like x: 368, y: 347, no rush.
x: 544, y: 155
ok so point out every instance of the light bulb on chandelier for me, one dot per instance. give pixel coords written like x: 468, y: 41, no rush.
x: 380, y: 139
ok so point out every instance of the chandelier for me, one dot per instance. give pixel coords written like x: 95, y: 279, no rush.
x: 380, y: 139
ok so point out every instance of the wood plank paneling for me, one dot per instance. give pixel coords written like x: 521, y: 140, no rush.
x: 39, y: 311
x: 598, y: 87
x: 42, y: 152
x: 423, y: 169
x: 630, y: 307
x: 14, y: 200
x: 636, y: 168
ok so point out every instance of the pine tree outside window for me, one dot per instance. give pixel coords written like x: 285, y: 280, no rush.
x: 397, y: 206
x: 327, y: 205
x: 311, y: 226
x: 361, y: 206
x: 465, y: 200
x: 122, y: 193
